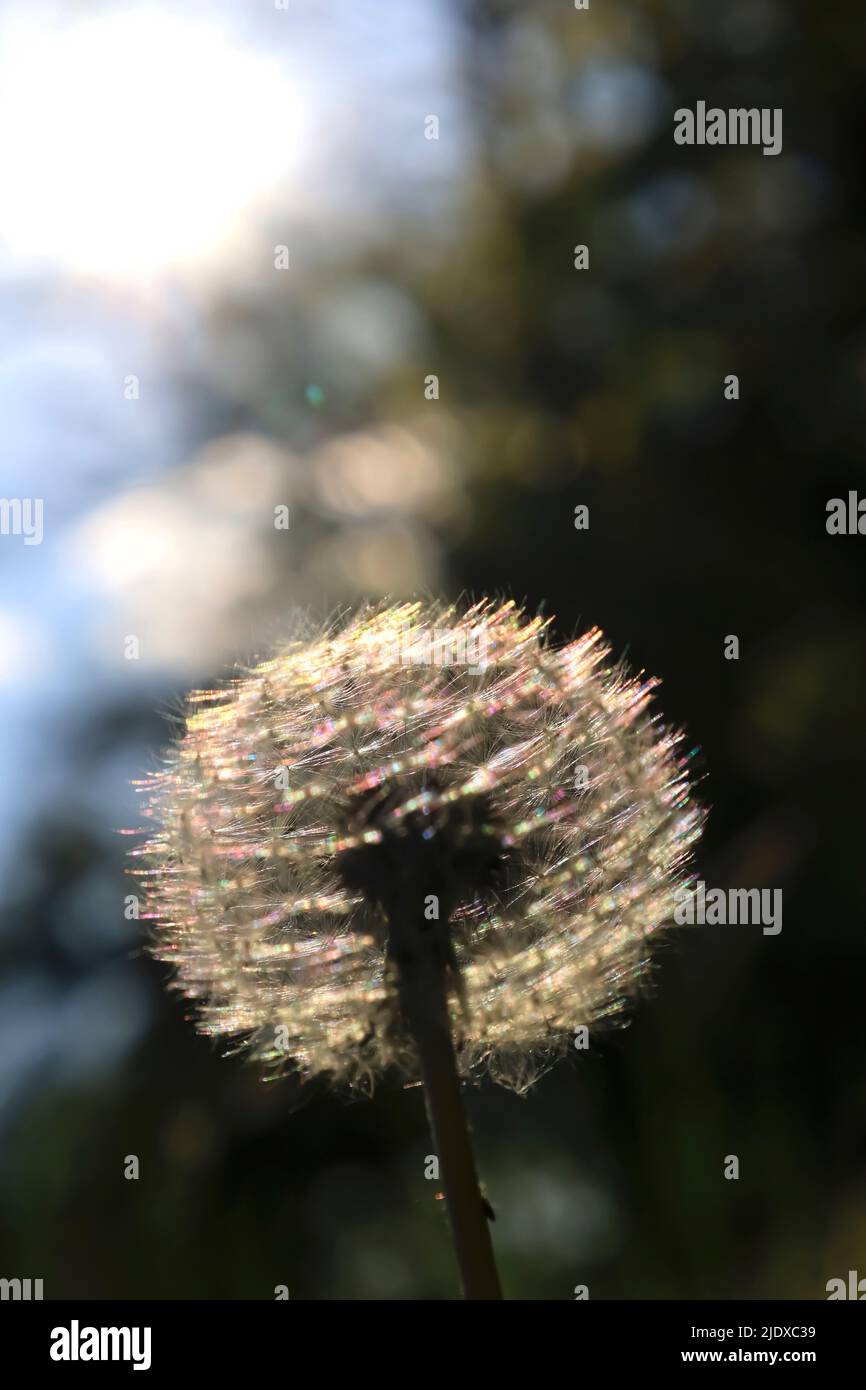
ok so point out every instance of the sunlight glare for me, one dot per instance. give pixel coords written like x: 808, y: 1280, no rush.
x: 135, y: 143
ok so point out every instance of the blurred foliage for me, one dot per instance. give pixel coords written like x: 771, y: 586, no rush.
x: 558, y: 387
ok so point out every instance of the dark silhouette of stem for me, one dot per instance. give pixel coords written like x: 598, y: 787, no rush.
x: 423, y: 988
x: 426, y: 861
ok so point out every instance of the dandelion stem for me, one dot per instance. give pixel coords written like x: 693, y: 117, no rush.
x: 423, y: 987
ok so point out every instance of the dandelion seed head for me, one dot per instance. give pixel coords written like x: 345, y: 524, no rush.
x: 421, y: 711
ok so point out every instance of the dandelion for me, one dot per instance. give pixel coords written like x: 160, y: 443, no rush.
x: 424, y: 838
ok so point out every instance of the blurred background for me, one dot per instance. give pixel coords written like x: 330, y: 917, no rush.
x: 232, y: 256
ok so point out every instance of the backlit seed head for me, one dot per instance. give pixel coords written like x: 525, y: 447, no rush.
x: 557, y: 803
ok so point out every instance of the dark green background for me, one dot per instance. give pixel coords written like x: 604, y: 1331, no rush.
x: 707, y: 518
